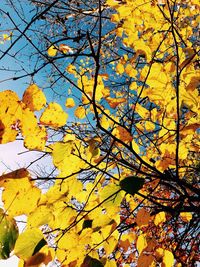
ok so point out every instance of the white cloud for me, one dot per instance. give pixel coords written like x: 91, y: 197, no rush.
x: 11, y: 262
x: 13, y: 156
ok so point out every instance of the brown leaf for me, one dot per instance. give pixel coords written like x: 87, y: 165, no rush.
x: 17, y: 174
x: 143, y: 217
x: 35, y: 260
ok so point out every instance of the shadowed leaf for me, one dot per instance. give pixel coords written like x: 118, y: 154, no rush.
x: 131, y: 184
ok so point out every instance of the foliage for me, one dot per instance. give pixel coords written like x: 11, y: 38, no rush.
x: 8, y: 235
x: 125, y: 190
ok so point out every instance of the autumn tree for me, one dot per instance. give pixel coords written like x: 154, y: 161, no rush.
x: 125, y: 147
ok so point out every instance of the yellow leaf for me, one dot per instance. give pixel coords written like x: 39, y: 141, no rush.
x: 168, y: 258
x: 40, y: 216
x: 160, y: 218
x: 111, y: 263
x: 35, y: 135
x: 6, y: 37
x: 100, y: 219
x: 143, y: 112
x: 98, y: 237
x: 129, y: 236
x: 132, y: 72
x: 10, y: 115
x: 135, y: 147
x: 66, y: 161
x: 21, y: 263
x: 110, y: 195
x: 80, y: 112
x: 71, y: 69
x: 70, y: 103
x: 7, y: 134
x: 104, y: 122
x: 157, y: 78
x: 93, y: 152
x: 34, y: 98
x: 124, y: 11
x: 186, y: 216
x: 27, y: 242
x: 141, y: 243
x: 190, y: 99
x: 69, y: 137
x: 110, y: 245
x: 20, y: 196
x: 64, y: 240
x: 63, y: 215
x: 52, y: 51
x: 120, y: 68
x: 112, y: 3
x: 36, y: 139
x: 74, y: 186
x: 119, y: 31
x: 115, y: 17
x: 60, y: 151
x: 54, y: 116
x: 28, y: 122
x: 183, y: 150
x: 149, y: 126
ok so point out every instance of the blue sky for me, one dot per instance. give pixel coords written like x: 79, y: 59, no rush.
x: 9, y: 62
x: 18, y: 61
x: 9, y: 153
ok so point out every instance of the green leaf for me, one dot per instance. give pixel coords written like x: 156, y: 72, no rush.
x: 87, y: 224
x: 131, y: 184
x: 40, y: 245
x: 8, y: 235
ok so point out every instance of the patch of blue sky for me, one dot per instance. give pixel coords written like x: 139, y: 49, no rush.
x: 20, y: 60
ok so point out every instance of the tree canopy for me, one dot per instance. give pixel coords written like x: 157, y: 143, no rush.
x: 122, y: 132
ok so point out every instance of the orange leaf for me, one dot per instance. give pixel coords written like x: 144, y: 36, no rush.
x: 145, y: 261
x: 143, y: 217
x: 34, y: 98
x: 124, y: 244
x: 114, y: 102
x: 35, y: 260
x: 122, y: 134
x: 65, y: 48
x: 80, y: 112
x: 17, y: 174
x: 104, y: 76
